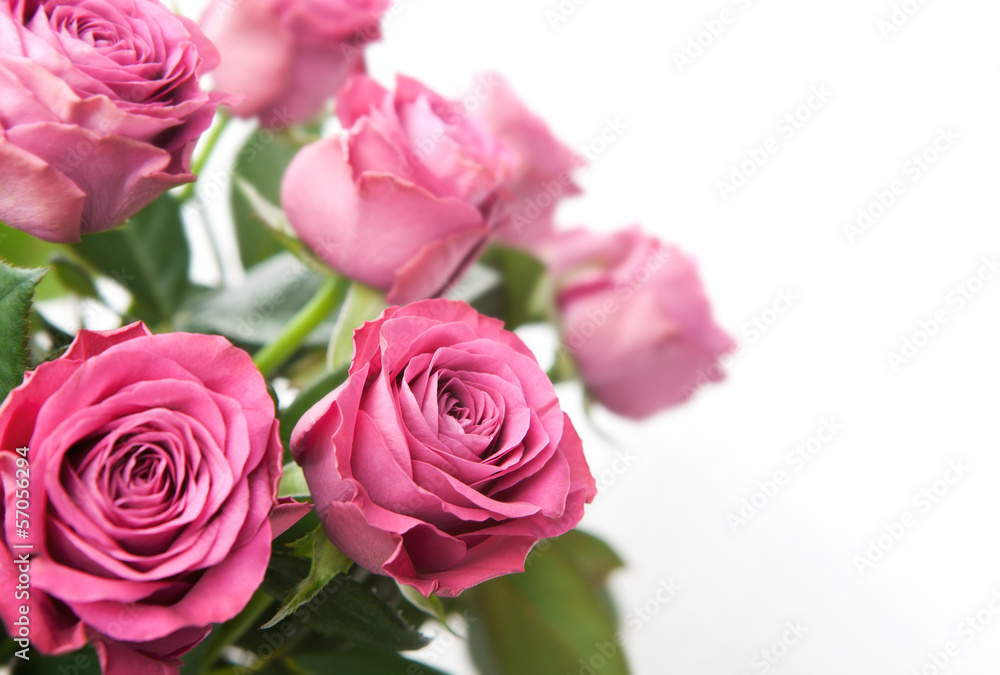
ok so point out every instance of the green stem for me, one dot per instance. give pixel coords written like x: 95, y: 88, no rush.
x: 327, y: 298
x: 233, y: 630
x: 211, y: 140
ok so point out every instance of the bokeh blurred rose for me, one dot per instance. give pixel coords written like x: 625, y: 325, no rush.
x: 445, y: 456
x: 288, y: 57
x: 635, y: 318
x: 543, y: 168
x: 154, y: 463
x: 100, y: 109
x: 404, y: 198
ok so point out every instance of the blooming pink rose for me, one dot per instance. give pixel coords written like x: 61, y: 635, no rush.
x: 445, y: 456
x: 153, y: 462
x: 100, y: 109
x: 403, y: 199
x: 288, y: 57
x: 543, y: 165
x: 635, y: 318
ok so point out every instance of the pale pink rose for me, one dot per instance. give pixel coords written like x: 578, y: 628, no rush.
x: 153, y: 465
x: 543, y: 166
x: 445, y: 456
x: 100, y: 109
x: 289, y: 57
x: 403, y: 199
x: 635, y: 318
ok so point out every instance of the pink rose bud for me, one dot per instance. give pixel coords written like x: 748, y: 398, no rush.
x: 543, y: 165
x: 154, y: 465
x: 635, y: 319
x: 444, y: 457
x: 288, y: 57
x: 403, y: 199
x: 100, y: 109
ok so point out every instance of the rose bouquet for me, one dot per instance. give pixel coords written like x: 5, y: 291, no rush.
x: 308, y: 468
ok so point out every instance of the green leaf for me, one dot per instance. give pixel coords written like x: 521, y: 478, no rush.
x: 344, y: 609
x: 268, y: 213
x: 481, y: 287
x: 293, y: 482
x: 260, y: 164
x: 327, y: 562
x: 361, y: 304
x: 524, y: 285
x: 257, y: 311
x: 17, y: 288
x: 564, y: 368
x: 149, y: 256
x: 307, y: 399
x: 592, y: 556
x: 431, y: 606
x: 74, y: 277
x: 22, y: 250
x: 554, y: 618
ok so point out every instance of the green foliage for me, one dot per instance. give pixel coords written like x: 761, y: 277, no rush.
x: 343, y: 609
x: 523, y: 282
x: 293, y: 482
x: 17, y: 288
x: 261, y: 163
x: 74, y: 277
x: 554, y: 618
x: 326, y: 563
x: 257, y: 311
x: 360, y: 305
x: 149, y: 256
x: 306, y: 399
x: 21, y: 249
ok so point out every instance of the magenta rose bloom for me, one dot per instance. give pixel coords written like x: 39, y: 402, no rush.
x: 100, y: 109
x: 444, y: 457
x: 154, y: 463
x: 543, y: 166
x: 635, y: 318
x: 288, y: 57
x: 403, y: 199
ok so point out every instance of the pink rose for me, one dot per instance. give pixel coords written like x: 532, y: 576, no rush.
x: 153, y: 462
x: 445, y: 456
x: 635, y: 318
x: 100, y: 109
x: 543, y: 166
x: 288, y: 57
x: 403, y: 199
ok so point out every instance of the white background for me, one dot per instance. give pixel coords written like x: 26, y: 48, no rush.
x: 826, y: 355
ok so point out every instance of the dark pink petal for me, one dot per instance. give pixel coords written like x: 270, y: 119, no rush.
x: 287, y: 513
x: 36, y: 197
x: 120, y: 176
x: 90, y: 343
